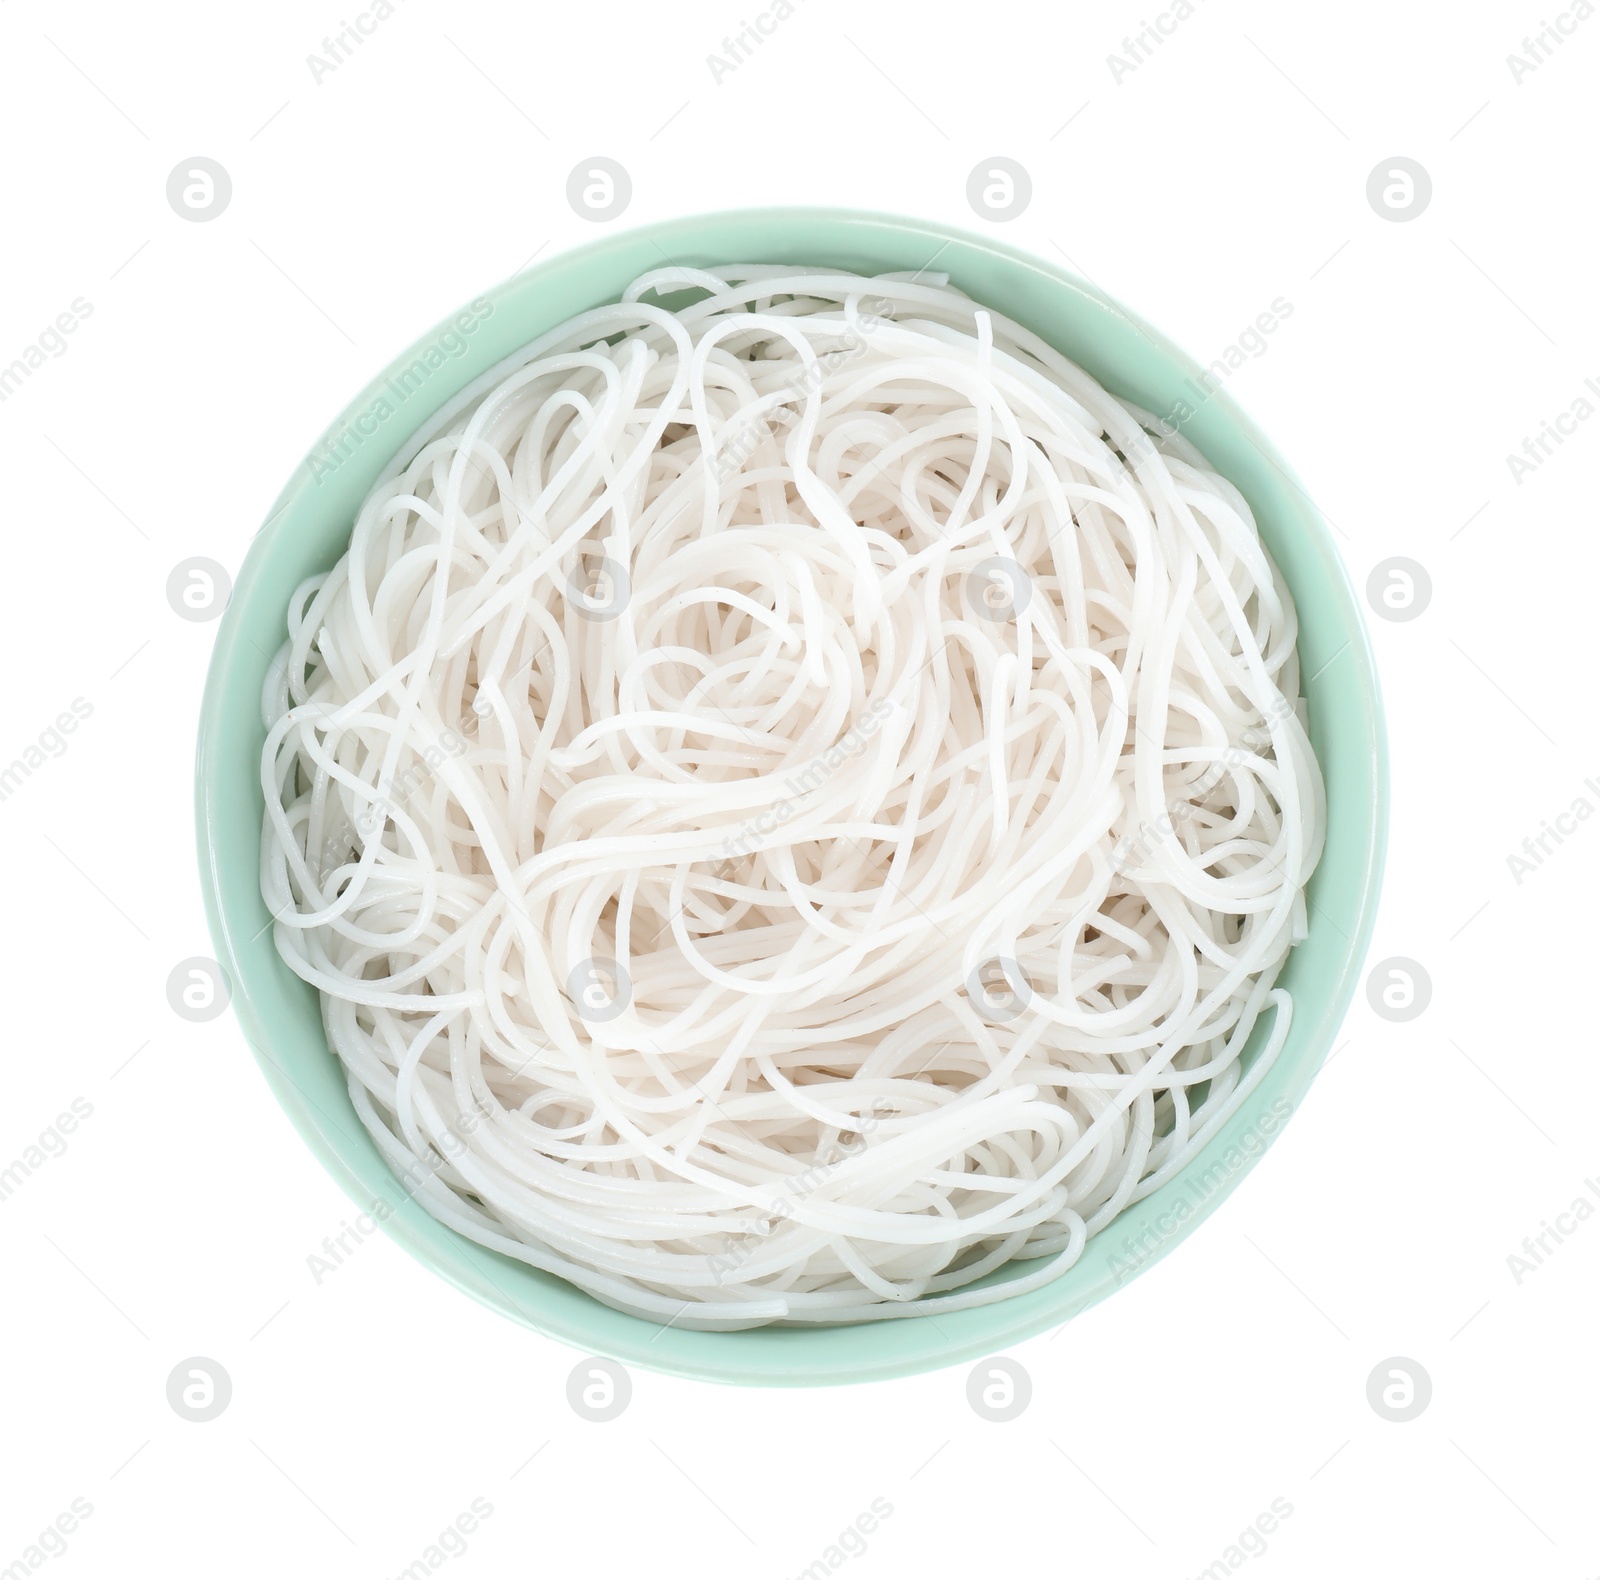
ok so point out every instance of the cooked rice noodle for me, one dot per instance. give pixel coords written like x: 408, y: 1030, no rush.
x: 792, y: 802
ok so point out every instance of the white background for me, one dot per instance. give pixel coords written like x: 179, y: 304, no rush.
x: 1227, y: 170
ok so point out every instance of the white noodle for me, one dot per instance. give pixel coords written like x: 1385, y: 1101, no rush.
x: 792, y: 803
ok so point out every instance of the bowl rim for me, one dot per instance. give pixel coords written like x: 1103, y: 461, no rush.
x: 835, y: 1354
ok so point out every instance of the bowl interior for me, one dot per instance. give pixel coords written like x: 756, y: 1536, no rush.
x: 309, y: 529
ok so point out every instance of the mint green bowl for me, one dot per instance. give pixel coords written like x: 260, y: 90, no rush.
x: 309, y: 529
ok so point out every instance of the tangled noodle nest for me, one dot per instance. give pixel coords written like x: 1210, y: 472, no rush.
x: 792, y: 802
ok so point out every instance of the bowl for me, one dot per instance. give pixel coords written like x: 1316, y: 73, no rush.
x: 308, y: 530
